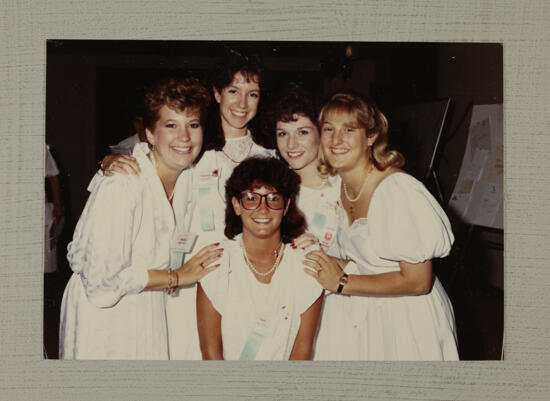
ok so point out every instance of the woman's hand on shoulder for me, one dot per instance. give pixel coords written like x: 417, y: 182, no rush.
x: 122, y: 164
x: 200, y: 264
x: 304, y: 241
x: 325, y: 269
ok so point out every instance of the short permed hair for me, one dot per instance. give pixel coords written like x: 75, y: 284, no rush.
x: 178, y: 94
x: 289, y: 104
x: 269, y: 171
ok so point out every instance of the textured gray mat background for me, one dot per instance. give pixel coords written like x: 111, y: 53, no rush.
x: 523, y: 28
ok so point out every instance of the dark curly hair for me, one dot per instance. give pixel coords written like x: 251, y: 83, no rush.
x: 290, y: 103
x: 268, y: 171
x: 250, y: 64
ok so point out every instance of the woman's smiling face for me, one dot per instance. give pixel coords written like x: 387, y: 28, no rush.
x: 298, y: 141
x: 344, y: 143
x: 262, y: 222
x: 238, y: 101
x: 177, y: 137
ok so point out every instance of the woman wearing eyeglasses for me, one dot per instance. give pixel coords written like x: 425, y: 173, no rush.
x: 259, y: 304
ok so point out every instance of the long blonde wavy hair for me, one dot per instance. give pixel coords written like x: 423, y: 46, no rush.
x: 369, y: 117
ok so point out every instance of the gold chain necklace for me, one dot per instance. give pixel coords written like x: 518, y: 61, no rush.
x: 278, y: 252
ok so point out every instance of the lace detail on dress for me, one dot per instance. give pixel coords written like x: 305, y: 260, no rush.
x: 237, y: 149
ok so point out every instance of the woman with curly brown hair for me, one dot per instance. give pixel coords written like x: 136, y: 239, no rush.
x: 237, y: 83
x: 259, y: 304
x: 386, y: 303
x: 113, y: 305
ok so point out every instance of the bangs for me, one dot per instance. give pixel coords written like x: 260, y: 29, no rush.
x: 348, y: 110
x: 249, y: 76
x: 290, y: 116
x: 357, y: 114
x: 257, y: 184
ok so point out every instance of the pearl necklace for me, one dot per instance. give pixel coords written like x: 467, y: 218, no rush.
x: 278, y: 252
x: 362, y: 187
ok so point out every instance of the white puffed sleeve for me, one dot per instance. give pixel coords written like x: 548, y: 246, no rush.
x: 215, y: 284
x: 406, y: 222
x: 101, y: 248
x: 307, y: 288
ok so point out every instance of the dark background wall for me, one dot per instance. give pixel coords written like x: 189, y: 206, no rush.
x: 93, y: 89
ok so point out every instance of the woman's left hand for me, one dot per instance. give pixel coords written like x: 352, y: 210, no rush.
x: 327, y: 270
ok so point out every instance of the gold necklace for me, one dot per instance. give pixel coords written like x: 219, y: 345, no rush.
x: 278, y: 252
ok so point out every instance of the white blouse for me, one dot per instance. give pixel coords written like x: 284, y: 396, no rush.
x: 320, y: 207
x: 404, y: 222
x: 259, y: 321
x: 124, y: 231
x: 208, y: 222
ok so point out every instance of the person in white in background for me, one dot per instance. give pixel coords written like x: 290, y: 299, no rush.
x: 259, y: 305
x: 53, y: 213
x: 126, y: 146
x: 113, y: 306
x: 390, y: 229
x: 236, y: 84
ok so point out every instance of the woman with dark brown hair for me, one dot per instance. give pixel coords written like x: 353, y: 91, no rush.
x: 259, y: 304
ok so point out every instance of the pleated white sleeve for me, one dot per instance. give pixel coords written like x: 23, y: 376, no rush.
x: 101, y: 249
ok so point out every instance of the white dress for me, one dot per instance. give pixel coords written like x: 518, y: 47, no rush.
x: 209, y: 177
x: 404, y: 223
x: 124, y: 230
x: 243, y: 302
x: 319, y: 207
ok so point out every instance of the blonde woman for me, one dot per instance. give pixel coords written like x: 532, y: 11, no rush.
x: 390, y: 229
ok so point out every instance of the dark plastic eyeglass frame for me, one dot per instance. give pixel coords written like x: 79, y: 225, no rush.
x: 261, y: 198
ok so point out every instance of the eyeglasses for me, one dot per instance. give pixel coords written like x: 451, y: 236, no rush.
x: 252, y: 200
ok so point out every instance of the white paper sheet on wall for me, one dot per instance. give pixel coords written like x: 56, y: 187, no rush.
x: 478, y: 194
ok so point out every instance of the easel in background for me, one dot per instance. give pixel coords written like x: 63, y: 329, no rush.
x: 477, y: 199
x: 419, y: 131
